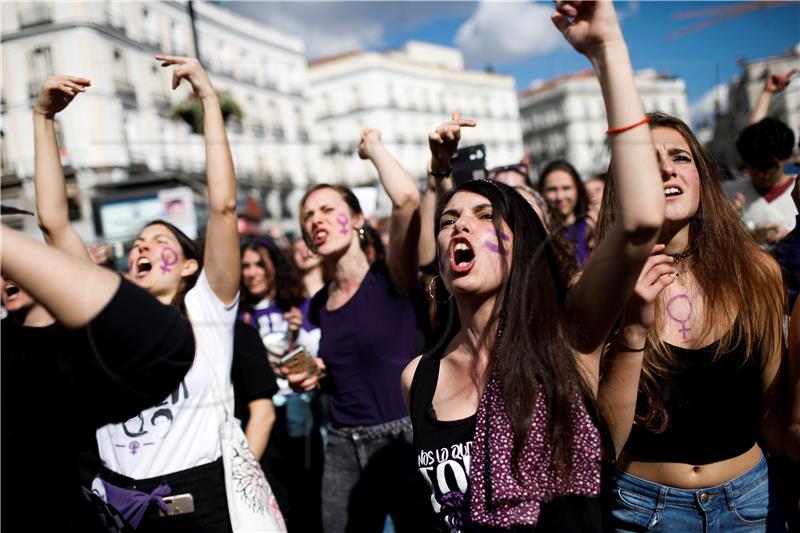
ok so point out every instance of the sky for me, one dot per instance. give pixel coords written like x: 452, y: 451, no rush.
x: 517, y: 37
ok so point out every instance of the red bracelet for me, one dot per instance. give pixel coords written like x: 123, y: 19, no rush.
x: 614, y: 131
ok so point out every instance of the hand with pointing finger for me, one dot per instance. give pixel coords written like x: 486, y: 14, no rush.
x: 57, y: 92
x: 775, y: 83
x: 444, y: 140
x: 190, y: 69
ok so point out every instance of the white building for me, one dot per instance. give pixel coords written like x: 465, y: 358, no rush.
x: 119, y: 144
x: 743, y: 94
x: 406, y: 94
x: 565, y: 118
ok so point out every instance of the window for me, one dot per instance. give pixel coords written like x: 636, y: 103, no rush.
x: 41, y: 66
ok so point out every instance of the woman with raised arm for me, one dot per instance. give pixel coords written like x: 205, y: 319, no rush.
x: 99, y: 364
x: 505, y: 425
x: 176, y: 443
x: 702, y: 338
x: 368, y: 336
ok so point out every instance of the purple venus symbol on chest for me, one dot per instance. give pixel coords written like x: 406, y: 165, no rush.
x: 168, y: 258
x: 682, y: 321
x: 491, y: 246
x: 343, y: 221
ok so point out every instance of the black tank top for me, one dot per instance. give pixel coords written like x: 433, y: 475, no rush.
x: 443, y: 457
x: 713, y: 409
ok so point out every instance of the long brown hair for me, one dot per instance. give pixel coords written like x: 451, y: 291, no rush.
x: 738, y: 280
x: 532, y: 354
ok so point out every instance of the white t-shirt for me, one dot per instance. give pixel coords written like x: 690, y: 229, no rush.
x: 182, y: 431
x: 757, y: 211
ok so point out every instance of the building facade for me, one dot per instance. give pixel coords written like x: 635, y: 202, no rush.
x: 565, y: 118
x: 120, y: 141
x: 743, y: 93
x: 406, y: 94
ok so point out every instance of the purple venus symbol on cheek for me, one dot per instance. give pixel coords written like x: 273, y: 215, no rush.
x: 682, y: 321
x: 168, y: 258
x: 343, y: 221
x: 134, y: 446
x: 491, y: 246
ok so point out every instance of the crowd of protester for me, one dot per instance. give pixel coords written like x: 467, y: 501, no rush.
x: 615, y: 354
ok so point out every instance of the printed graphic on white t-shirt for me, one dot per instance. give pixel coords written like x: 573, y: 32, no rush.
x: 182, y: 431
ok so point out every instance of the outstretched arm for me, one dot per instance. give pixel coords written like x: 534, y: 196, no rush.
x: 51, y: 194
x: 222, y: 240
x: 443, y: 143
x: 73, y: 290
x: 402, y: 259
x: 609, y: 276
x: 774, y: 83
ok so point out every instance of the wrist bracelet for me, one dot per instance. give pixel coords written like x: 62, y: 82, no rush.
x: 614, y: 131
x: 441, y: 175
x: 628, y: 348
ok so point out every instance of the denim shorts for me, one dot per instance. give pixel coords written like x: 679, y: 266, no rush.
x: 748, y: 503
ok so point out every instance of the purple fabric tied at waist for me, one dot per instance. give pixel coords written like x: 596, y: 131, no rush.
x: 132, y: 504
x: 500, y: 498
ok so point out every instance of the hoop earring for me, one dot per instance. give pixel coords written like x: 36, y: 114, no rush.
x: 431, y: 295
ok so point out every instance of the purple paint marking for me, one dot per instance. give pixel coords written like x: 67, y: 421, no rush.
x: 683, y: 329
x: 134, y: 446
x: 168, y: 258
x: 343, y: 221
x: 492, y: 247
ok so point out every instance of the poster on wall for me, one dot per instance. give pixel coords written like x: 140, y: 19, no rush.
x: 178, y: 206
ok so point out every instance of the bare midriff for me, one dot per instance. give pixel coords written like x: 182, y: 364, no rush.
x: 688, y: 476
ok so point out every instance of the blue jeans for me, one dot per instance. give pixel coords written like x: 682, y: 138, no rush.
x: 747, y: 503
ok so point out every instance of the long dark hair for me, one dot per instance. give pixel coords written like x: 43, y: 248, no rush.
x: 734, y: 274
x: 191, y: 250
x: 565, y: 166
x: 532, y: 356
x: 289, y: 291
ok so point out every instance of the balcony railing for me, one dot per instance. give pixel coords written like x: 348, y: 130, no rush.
x: 125, y: 89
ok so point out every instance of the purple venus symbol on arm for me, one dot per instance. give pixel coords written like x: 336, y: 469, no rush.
x: 168, y: 258
x: 682, y: 321
x: 343, y: 221
x: 492, y: 247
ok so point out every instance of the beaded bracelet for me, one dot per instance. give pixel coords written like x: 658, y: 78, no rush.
x: 614, y: 131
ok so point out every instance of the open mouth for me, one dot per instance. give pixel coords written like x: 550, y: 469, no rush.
x: 320, y: 236
x: 143, y: 267
x: 462, y: 257
x: 671, y: 192
x: 11, y: 289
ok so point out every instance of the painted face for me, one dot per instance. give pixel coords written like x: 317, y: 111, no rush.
x: 303, y: 257
x: 330, y: 223
x: 156, y: 262
x: 471, y: 258
x: 679, y: 174
x: 258, y: 274
x: 15, y: 298
x: 560, y: 191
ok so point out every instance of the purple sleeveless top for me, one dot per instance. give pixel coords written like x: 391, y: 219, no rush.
x: 366, y: 344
